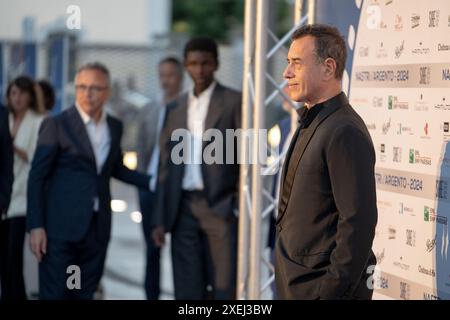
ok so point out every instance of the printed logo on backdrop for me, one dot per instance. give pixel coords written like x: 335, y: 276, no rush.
x: 420, y: 49
x: 410, y: 237
x: 433, y: 18
x: 399, y: 49
x: 445, y: 131
x: 446, y: 74
x: 381, y: 52
x: 415, y: 157
x: 429, y: 215
x: 395, y: 103
x: 430, y: 296
x: 398, y: 23
x: 363, y: 52
x: 404, y: 209
x: 377, y: 102
x: 401, y: 264
x: 392, y: 233
x: 386, y: 126
x: 442, y: 105
x: 415, y: 20
x: 397, y: 154
x: 445, y: 127
x: 431, y: 244
x: 421, y: 104
x: 382, y: 152
x: 405, y: 290
x: 404, y: 130
x: 443, y: 47
x: 427, y: 271
x: 424, y: 75
x: 425, y: 132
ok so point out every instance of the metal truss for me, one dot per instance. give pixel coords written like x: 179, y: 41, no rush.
x: 255, y: 99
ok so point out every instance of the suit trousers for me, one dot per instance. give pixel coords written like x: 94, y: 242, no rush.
x: 203, y: 251
x: 56, y: 270
x: 152, y: 268
x: 12, y: 236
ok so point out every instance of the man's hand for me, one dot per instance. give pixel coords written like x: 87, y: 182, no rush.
x: 158, y: 236
x: 38, y: 242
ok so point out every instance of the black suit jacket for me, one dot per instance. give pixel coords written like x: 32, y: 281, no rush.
x: 6, y: 161
x: 326, y: 220
x: 63, y: 180
x: 221, y: 181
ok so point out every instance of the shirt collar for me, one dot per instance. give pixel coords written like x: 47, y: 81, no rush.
x: 306, y: 116
x: 206, y: 93
x: 87, y: 118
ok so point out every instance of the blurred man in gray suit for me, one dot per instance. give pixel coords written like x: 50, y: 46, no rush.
x: 327, y: 209
x: 170, y: 72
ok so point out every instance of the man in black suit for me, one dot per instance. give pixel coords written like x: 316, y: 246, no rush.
x: 6, y: 162
x: 327, y: 210
x: 197, y: 198
x: 69, y: 213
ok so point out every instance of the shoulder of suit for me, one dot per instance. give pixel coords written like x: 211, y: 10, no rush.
x: 229, y: 91
x: 3, y: 110
x: 116, y: 121
x: 346, y: 120
x: 177, y: 102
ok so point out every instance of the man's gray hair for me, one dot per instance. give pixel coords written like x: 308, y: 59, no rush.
x: 95, y: 66
x: 329, y: 44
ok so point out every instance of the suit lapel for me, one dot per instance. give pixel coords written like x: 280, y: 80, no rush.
x: 115, y: 141
x: 288, y: 155
x: 178, y: 115
x: 214, y: 108
x: 152, y: 132
x: 298, y: 151
x: 80, y: 134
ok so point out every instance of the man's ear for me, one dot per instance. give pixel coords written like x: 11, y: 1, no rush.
x: 329, y: 68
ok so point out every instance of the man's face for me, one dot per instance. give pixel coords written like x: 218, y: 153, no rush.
x: 201, y: 66
x: 303, y: 73
x: 92, y: 90
x: 170, y: 78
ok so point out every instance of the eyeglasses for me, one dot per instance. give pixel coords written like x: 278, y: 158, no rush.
x: 94, y: 89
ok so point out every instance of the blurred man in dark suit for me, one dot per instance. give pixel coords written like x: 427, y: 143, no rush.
x: 69, y: 211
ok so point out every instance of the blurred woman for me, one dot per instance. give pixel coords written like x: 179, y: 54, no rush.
x: 48, y: 94
x: 25, y: 117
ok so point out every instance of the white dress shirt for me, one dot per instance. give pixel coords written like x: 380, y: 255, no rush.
x: 152, y: 168
x: 196, y: 115
x: 100, y: 140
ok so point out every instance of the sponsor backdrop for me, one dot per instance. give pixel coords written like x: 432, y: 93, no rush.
x: 399, y: 82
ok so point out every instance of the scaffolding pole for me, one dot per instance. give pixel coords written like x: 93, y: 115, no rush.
x: 251, y: 188
x: 244, y: 221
